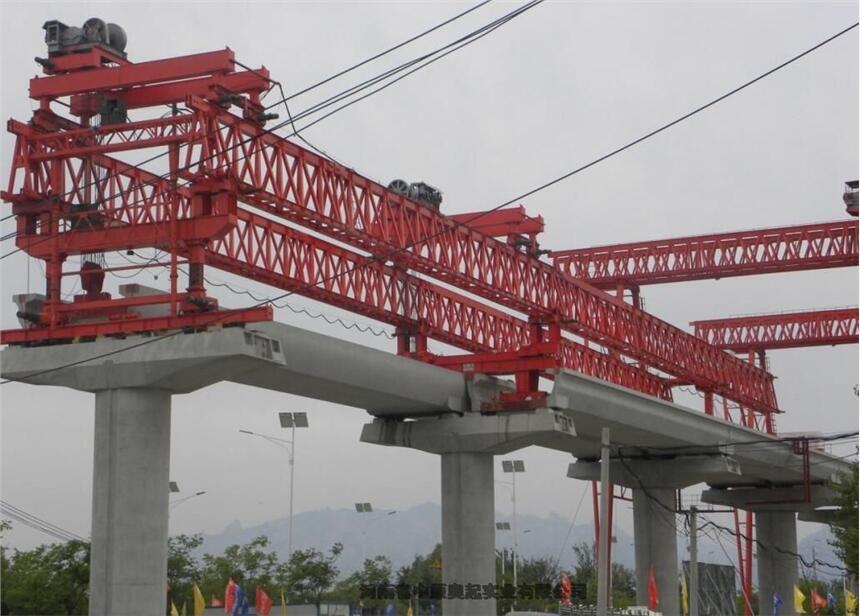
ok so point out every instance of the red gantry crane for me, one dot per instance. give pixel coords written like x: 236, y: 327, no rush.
x: 237, y: 197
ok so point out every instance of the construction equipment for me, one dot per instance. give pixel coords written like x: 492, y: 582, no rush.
x: 419, y: 192
x: 850, y: 197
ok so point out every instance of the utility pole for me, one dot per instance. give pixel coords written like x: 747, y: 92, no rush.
x: 603, y: 543
x: 516, y: 545
x: 694, y: 562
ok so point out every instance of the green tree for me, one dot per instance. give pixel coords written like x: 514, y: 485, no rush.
x: 585, y: 572
x: 844, y: 527
x: 249, y: 565
x: 375, y: 573
x: 421, y: 573
x: 183, y: 569
x: 309, y: 574
x: 49, y: 579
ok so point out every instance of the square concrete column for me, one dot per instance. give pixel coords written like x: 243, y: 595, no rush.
x: 468, y: 532
x: 133, y: 381
x: 776, y: 547
x: 131, y: 464
x: 466, y: 445
x: 656, y: 545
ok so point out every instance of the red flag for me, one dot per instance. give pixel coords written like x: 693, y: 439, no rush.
x: 817, y: 602
x: 653, y: 594
x: 229, y: 596
x: 566, y: 589
x: 216, y: 602
x: 263, y: 604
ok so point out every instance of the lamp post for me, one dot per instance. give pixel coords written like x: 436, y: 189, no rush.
x: 368, y: 508
x: 513, y: 467
x: 291, y: 421
x: 178, y: 502
x: 503, y: 526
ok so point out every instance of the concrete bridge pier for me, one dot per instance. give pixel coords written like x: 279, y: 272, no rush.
x: 131, y: 460
x: 466, y: 445
x: 775, y: 551
x: 654, y: 484
x: 656, y: 545
x: 776, y: 512
x: 131, y: 466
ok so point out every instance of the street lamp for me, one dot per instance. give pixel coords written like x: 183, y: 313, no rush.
x: 368, y: 508
x: 291, y: 421
x: 503, y: 526
x: 178, y: 502
x: 513, y: 467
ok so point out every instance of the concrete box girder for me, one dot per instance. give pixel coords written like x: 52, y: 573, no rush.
x: 771, y: 499
x: 492, y: 434
x: 177, y: 363
x: 677, y: 473
x: 641, y: 423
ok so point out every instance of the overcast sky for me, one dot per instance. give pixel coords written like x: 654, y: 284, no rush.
x: 561, y: 85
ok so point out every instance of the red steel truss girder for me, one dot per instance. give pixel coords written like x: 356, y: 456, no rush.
x: 506, y: 221
x: 782, y: 331
x: 284, y: 257
x: 167, y: 93
x: 136, y: 136
x: 720, y: 255
x: 130, y: 75
x: 125, y: 193
x: 298, y: 185
x: 290, y: 181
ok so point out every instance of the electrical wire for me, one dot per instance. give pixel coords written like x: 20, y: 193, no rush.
x: 486, y: 213
x: 331, y: 320
x: 387, y: 51
x: 37, y: 523
x: 427, y: 59
x: 737, y: 568
x: 709, y: 522
x: 570, y: 528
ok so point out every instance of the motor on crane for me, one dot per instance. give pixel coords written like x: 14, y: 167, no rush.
x: 419, y: 192
x: 850, y: 197
x: 62, y: 39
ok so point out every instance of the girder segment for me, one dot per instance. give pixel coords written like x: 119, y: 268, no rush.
x: 789, y: 330
x: 719, y: 255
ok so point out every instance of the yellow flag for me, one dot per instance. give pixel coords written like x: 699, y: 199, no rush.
x: 199, y: 601
x: 799, y: 598
x: 183, y: 612
x: 850, y: 603
x: 409, y: 611
x: 685, y: 601
x: 173, y: 610
x: 283, y: 604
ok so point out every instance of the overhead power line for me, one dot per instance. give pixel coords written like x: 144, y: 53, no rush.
x: 383, y: 53
x: 38, y: 523
x: 478, y: 216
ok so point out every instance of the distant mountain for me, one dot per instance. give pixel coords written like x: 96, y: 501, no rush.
x: 402, y: 535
